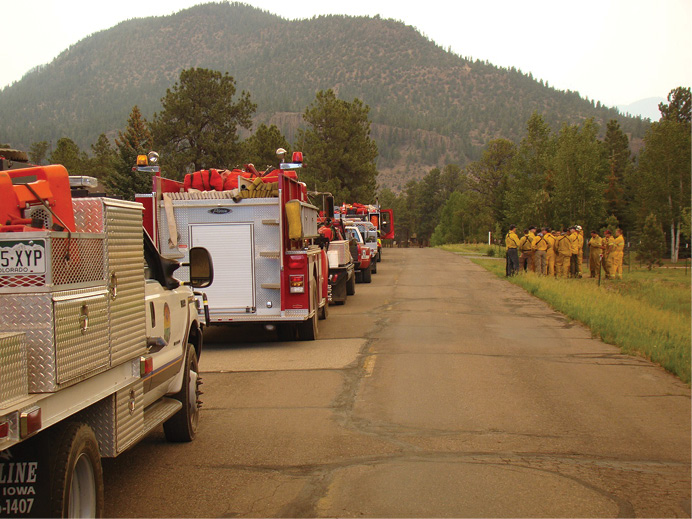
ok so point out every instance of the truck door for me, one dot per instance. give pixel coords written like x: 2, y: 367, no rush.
x: 231, y: 246
x: 387, y: 224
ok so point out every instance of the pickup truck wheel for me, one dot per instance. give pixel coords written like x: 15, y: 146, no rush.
x: 351, y: 285
x: 367, y: 275
x: 373, y: 265
x: 182, y: 426
x: 76, y: 475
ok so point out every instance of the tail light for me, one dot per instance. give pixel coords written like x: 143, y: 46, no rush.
x: 296, y: 284
x: 29, y: 421
x: 297, y: 261
x: 146, y: 365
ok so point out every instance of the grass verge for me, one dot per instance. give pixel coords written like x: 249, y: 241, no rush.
x: 647, y: 313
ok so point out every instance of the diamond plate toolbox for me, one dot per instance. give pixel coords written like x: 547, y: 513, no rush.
x: 78, y: 298
x: 13, y: 378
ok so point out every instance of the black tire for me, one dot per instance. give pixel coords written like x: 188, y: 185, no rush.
x: 182, y: 426
x: 379, y: 255
x: 373, y: 265
x: 76, y: 475
x: 351, y: 285
x: 367, y: 275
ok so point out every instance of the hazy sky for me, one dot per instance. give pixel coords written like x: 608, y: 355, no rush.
x: 613, y: 51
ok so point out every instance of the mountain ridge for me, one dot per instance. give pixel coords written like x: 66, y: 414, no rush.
x: 428, y: 106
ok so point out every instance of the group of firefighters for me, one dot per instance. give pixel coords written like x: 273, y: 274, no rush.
x: 560, y: 253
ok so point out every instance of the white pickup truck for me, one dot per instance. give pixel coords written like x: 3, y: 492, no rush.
x: 99, y: 344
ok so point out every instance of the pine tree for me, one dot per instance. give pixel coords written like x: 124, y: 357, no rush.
x: 620, y: 166
x: 67, y: 153
x: 38, y: 152
x: 260, y: 148
x: 340, y: 156
x: 664, y: 167
x: 135, y: 140
x: 653, y: 243
x: 198, y: 126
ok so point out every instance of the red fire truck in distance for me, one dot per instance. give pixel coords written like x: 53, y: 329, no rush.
x: 382, y: 219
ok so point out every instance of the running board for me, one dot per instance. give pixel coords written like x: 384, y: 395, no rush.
x: 159, y: 412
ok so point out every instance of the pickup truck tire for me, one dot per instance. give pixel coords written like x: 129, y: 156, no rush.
x: 373, y: 265
x: 367, y: 275
x: 351, y: 285
x: 182, y: 426
x: 76, y: 475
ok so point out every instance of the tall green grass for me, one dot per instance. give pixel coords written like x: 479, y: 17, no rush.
x: 647, y: 313
x: 474, y: 249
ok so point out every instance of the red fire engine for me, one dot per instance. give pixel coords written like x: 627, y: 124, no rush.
x: 260, y: 230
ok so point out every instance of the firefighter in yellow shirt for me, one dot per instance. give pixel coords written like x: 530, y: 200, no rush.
x: 580, y: 252
x: 512, y: 255
x: 618, y: 253
x: 608, y: 256
x: 573, y: 237
x: 550, y: 252
x: 595, y: 252
x: 526, y: 249
x: 563, y: 248
x: 540, y: 248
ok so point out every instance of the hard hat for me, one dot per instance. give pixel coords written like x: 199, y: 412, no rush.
x: 578, y: 227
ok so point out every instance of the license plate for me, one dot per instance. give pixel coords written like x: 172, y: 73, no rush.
x: 22, y: 257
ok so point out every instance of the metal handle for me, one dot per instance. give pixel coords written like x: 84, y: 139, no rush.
x: 84, y: 318
x: 113, y: 285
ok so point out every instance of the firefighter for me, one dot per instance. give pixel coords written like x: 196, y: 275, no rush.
x: 580, y: 252
x: 327, y: 230
x: 512, y: 255
x: 539, y: 246
x: 608, y: 253
x: 595, y: 253
x: 618, y: 253
x: 526, y: 248
x: 550, y: 252
x: 563, y: 247
x: 573, y: 238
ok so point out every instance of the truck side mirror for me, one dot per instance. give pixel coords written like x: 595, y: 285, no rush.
x: 201, y: 268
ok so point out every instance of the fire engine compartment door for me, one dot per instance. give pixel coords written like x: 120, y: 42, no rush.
x: 231, y: 246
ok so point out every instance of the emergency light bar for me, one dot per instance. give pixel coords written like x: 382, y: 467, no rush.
x: 83, y: 181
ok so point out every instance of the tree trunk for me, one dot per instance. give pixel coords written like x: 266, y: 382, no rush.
x: 677, y: 243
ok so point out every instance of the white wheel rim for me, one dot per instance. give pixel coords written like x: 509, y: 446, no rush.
x: 82, y: 489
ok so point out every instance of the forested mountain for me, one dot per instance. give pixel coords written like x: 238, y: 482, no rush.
x: 429, y: 107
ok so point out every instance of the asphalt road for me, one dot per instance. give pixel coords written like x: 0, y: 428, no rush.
x: 436, y: 391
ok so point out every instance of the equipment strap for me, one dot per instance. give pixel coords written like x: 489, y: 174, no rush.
x: 173, y: 236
